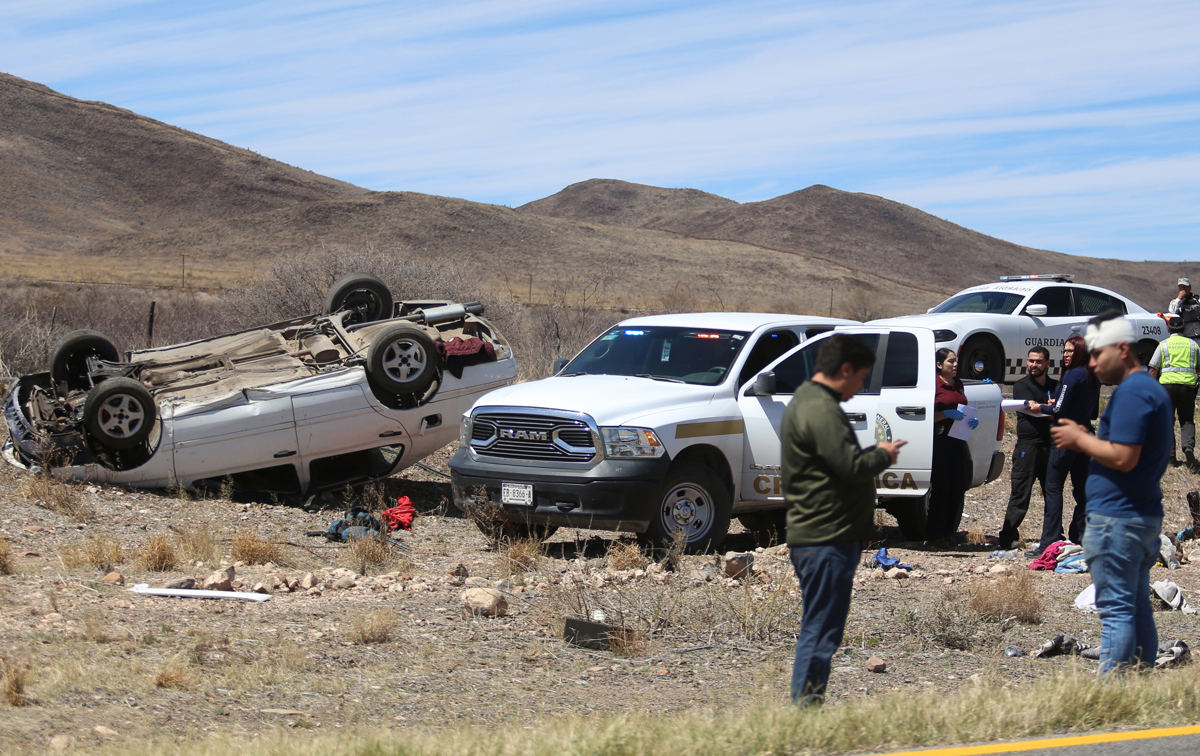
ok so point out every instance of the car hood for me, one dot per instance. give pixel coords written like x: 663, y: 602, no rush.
x: 608, y: 399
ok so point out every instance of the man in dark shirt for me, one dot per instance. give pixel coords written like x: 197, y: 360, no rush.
x: 1032, y: 451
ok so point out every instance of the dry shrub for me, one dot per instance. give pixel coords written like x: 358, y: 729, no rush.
x: 45, y: 491
x: 976, y: 536
x: 171, y: 676
x: 14, y: 679
x: 626, y: 555
x: 1012, y: 597
x: 101, y: 552
x: 157, y: 555
x: 948, y: 621
x: 6, y: 565
x: 198, y: 542
x: 371, y: 554
x: 249, y: 547
x: 371, y: 627
x: 520, y: 555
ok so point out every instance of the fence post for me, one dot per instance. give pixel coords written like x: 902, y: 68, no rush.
x: 150, y: 327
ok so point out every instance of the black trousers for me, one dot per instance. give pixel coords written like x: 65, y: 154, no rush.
x: 1065, y: 463
x: 947, y: 485
x: 1028, y: 466
x: 1183, y: 399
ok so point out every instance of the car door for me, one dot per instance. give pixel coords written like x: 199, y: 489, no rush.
x: 1052, y: 329
x: 250, y: 431
x: 761, y: 481
x: 338, y: 432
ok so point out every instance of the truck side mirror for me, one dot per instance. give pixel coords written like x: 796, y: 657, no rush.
x: 1035, y: 311
x: 764, y: 385
x: 558, y: 365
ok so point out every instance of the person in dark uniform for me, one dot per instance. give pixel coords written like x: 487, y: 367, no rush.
x: 1032, y: 451
x: 1187, y: 306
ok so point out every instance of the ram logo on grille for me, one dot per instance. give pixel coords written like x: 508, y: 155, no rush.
x: 524, y: 435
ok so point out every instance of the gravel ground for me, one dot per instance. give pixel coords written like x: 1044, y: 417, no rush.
x: 396, y: 649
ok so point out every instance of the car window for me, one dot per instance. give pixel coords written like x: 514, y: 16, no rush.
x: 769, y: 348
x: 1057, y: 300
x: 996, y: 302
x: 798, y: 368
x: 1090, y: 302
x: 666, y: 353
x: 902, y: 361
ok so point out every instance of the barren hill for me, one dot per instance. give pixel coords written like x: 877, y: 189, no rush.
x: 93, y: 192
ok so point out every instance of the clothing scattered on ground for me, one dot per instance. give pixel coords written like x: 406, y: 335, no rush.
x: 1173, y: 654
x: 1049, y: 558
x: 1172, y: 596
x: 881, y: 560
x: 1063, y: 645
x: 1086, y: 600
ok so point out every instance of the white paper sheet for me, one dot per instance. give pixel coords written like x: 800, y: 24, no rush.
x: 961, y: 430
x: 1018, y: 405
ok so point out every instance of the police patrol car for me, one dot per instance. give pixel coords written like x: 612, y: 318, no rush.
x: 671, y: 423
x: 993, y: 326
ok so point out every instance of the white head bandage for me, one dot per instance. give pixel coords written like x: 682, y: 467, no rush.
x: 1115, y: 331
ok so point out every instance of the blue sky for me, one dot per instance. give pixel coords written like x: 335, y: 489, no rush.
x: 1070, y: 125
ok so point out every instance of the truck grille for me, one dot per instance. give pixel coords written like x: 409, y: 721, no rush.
x: 538, y: 438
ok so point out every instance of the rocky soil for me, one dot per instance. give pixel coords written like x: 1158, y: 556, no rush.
x: 89, y: 661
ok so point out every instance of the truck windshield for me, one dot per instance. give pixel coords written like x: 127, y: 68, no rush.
x: 672, y: 354
x: 995, y: 302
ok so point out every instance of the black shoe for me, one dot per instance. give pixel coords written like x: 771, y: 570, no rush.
x: 1008, y: 545
x: 1034, y: 553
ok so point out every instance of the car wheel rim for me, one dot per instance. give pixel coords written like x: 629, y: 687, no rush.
x: 689, y: 508
x: 404, y: 361
x: 121, y: 416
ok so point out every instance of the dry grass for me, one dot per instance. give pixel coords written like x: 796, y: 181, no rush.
x: 45, y: 491
x: 976, y: 535
x: 172, y: 676
x: 198, y: 542
x: 626, y: 555
x: 520, y: 555
x: 157, y: 555
x: 6, y: 565
x: 95, y: 625
x: 949, y: 621
x: 370, y: 554
x: 1012, y: 597
x: 251, y: 548
x: 14, y: 680
x: 371, y: 627
x: 101, y: 552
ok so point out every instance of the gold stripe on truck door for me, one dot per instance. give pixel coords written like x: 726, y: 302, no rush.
x: 711, y: 428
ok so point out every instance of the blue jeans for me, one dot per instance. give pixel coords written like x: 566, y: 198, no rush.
x: 1120, y: 552
x: 826, y: 575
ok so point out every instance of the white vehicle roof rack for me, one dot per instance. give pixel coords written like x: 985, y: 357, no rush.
x: 1040, y: 277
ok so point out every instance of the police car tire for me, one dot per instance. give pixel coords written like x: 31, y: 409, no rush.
x: 692, y: 484
x: 1146, y: 348
x: 768, y: 528
x: 981, y: 349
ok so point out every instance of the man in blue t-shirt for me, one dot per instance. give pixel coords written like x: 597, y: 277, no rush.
x: 1124, y: 512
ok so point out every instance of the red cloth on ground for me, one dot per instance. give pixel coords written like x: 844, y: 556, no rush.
x: 401, y: 515
x: 1049, y: 558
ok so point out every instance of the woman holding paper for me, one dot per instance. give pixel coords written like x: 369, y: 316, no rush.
x: 1078, y: 399
x: 949, y: 476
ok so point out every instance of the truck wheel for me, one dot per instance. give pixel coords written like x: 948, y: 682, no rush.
x: 769, y: 527
x: 695, y: 501
x: 119, y: 413
x: 360, y: 290
x: 911, y: 515
x: 981, y: 359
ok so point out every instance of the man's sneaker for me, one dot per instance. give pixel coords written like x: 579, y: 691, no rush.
x: 1034, y: 553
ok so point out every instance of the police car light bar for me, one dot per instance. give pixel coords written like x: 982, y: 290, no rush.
x: 1040, y: 277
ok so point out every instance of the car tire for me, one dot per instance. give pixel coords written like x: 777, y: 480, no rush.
x: 695, y: 500
x: 768, y: 527
x: 68, y: 361
x: 119, y: 413
x: 912, y: 515
x: 360, y: 290
x: 1146, y: 349
x: 981, y: 359
x: 402, y: 359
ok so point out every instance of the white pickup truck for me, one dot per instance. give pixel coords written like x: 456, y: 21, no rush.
x: 672, y: 422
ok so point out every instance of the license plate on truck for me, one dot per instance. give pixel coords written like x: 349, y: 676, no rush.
x: 516, y: 494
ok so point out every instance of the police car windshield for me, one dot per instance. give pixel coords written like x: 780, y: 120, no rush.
x: 683, y: 354
x: 993, y: 302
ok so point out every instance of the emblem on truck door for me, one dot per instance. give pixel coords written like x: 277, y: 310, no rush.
x: 524, y: 435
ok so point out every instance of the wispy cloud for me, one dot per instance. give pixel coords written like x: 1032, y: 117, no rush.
x: 1070, y: 125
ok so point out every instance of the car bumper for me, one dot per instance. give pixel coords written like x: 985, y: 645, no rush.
x: 612, y: 495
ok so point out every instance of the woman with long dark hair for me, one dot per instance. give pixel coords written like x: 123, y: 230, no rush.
x: 949, y: 477
x: 1078, y: 399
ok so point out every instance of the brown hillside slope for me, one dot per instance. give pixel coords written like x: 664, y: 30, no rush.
x: 620, y: 203
x: 77, y: 172
x: 864, y: 232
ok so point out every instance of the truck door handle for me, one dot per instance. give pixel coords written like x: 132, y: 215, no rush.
x: 389, y: 434
x: 282, y: 454
x: 856, y: 417
x: 910, y: 411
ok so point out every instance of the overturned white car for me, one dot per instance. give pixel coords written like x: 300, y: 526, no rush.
x: 306, y: 405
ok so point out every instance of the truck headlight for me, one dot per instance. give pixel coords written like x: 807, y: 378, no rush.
x: 464, y: 431
x: 631, y: 442
x: 944, y: 334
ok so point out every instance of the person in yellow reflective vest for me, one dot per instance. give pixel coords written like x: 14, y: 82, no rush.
x: 1174, y: 365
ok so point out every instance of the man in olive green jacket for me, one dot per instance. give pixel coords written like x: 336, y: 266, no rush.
x: 829, y: 486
